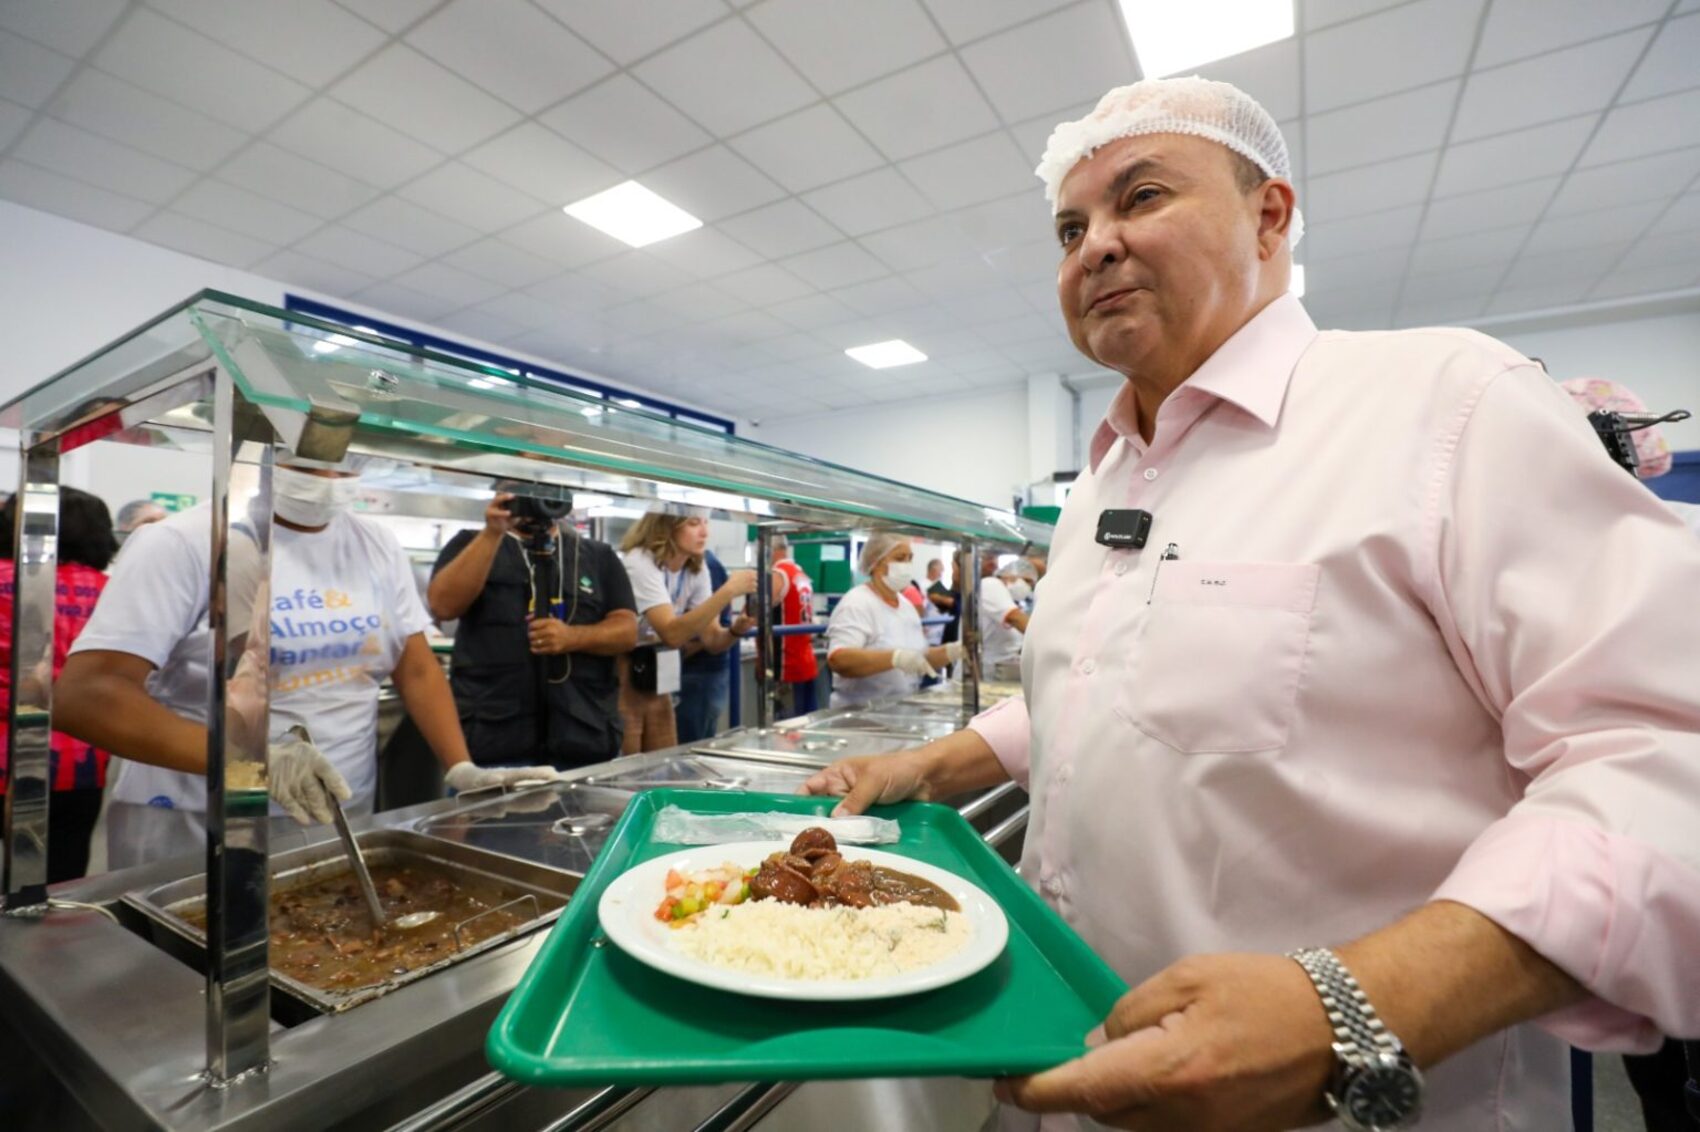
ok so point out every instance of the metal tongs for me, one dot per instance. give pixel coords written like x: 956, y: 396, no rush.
x: 358, y: 860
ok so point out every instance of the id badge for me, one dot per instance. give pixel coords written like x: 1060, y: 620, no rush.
x: 667, y: 671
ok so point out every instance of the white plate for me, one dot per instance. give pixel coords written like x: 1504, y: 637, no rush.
x: 627, y: 912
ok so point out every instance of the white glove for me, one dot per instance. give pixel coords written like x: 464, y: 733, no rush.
x: 302, y: 780
x: 910, y: 661
x: 954, y: 652
x: 465, y: 777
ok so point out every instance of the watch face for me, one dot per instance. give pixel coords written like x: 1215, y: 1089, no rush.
x: 1383, y: 1097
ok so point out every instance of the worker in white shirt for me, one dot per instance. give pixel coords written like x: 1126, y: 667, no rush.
x: 344, y: 615
x: 876, y: 646
x: 1003, y: 620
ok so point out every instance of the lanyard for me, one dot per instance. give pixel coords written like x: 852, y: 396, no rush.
x: 675, y: 585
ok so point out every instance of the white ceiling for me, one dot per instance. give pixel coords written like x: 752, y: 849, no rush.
x: 864, y: 168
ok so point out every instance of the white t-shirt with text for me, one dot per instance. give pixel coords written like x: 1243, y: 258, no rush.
x: 653, y: 585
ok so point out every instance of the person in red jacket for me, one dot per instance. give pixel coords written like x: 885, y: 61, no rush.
x: 798, y: 668
x: 77, y: 773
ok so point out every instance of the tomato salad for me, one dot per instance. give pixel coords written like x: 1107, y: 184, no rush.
x: 691, y: 894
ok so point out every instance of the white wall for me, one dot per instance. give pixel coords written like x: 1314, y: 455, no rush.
x: 973, y: 446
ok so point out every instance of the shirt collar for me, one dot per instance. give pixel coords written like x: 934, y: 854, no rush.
x: 1251, y: 370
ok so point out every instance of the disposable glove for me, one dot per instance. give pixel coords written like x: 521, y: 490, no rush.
x: 910, y: 661
x: 954, y: 652
x: 465, y: 777
x: 302, y: 780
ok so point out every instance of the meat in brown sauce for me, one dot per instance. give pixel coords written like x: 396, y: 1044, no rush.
x: 813, y: 873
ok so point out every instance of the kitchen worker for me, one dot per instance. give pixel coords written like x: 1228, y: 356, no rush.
x: 1402, y: 678
x: 874, y: 642
x: 663, y: 556
x: 1003, y: 621
x: 542, y: 614
x: 344, y: 615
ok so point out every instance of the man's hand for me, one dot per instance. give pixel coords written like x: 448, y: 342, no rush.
x: 873, y: 780
x: 741, y: 624
x: 740, y: 583
x: 497, y: 519
x: 550, y: 636
x: 1214, y: 1043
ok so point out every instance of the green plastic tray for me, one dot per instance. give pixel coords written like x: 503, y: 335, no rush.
x: 586, y: 1013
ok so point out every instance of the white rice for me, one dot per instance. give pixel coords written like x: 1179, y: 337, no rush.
x: 766, y: 937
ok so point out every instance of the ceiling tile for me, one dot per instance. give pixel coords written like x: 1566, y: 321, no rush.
x: 543, y: 164
x: 1014, y: 219
x: 1556, y: 85
x: 967, y: 20
x: 394, y: 299
x: 1476, y: 250
x: 482, y: 325
x: 391, y: 15
x: 524, y: 309
x: 878, y: 297
x: 1075, y: 55
x: 870, y: 202
x: 197, y: 238
x: 1659, y: 249
x: 29, y: 72
x: 1541, y: 296
x: 1356, y: 272
x: 809, y: 148
x: 840, y: 45
x: 1518, y: 28
x: 706, y: 253
x: 265, y: 169
x: 633, y: 274
x: 560, y: 239
x: 812, y: 312
x: 423, y: 99
x: 1353, y: 61
x: 1658, y: 177
x: 1444, y: 311
x: 713, y: 183
x: 1492, y: 208
x: 631, y: 29
x: 625, y: 124
x: 1573, y: 269
x: 909, y: 247
x: 1671, y: 122
x: 962, y: 279
x: 1669, y: 66
x: 69, y: 28
x: 357, y: 251
x: 101, y: 163
x: 970, y: 172
x: 1269, y: 74
x: 245, y: 212
x: 464, y: 194
x: 927, y: 106
x: 1508, y: 158
x: 502, y: 263
x: 1371, y: 188
x: 450, y: 284
x: 13, y: 119
x: 291, y: 267
x: 1033, y: 134
x: 511, y: 49
x: 1646, y: 280
x: 726, y: 78
x: 749, y: 326
x: 835, y: 266
x: 406, y: 225
x: 697, y: 302
x: 167, y: 58
x: 1321, y: 13
x: 1608, y: 230
x: 1396, y: 126
x: 781, y: 229
x: 763, y: 285
x: 115, y: 109
x: 353, y: 144
x: 1684, y: 215
x: 43, y: 189
x: 313, y: 41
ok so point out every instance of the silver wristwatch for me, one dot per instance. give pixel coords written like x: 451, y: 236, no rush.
x: 1375, y: 1087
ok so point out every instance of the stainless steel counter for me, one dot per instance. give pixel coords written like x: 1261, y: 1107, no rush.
x: 103, y: 1029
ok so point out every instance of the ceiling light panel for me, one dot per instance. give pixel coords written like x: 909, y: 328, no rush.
x: 1170, y: 37
x: 633, y: 214
x: 884, y: 355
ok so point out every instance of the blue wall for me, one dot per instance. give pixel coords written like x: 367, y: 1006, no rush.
x: 1682, y: 482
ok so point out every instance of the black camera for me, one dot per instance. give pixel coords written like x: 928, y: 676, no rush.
x: 530, y: 511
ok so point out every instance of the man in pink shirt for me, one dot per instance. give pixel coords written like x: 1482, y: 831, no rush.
x: 1402, y: 683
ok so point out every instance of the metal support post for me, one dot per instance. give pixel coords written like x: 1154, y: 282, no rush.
x: 764, y: 627
x: 35, y: 560
x: 968, y: 624
x: 238, y: 694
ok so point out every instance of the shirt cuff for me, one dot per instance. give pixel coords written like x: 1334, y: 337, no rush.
x: 1611, y: 912
x: 1008, y: 732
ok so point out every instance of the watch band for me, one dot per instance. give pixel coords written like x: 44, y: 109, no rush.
x: 1358, y: 1030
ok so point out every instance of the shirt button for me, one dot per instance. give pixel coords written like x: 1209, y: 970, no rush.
x: 1150, y: 473
x: 1089, y: 666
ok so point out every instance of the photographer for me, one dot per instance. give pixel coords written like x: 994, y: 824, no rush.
x: 543, y: 612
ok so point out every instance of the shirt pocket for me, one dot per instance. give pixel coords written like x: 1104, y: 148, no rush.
x: 1218, y: 657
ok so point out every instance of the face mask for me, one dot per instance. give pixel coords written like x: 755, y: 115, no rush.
x: 898, y: 575
x: 308, y: 500
x: 1020, y: 590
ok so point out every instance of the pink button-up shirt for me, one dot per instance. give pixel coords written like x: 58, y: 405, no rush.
x: 1402, y: 632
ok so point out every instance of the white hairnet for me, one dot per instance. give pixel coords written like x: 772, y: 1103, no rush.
x: 1019, y: 568
x: 1203, y: 108
x: 880, y: 544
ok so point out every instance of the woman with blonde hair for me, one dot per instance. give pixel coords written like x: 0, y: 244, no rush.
x: 876, y: 647
x: 663, y: 555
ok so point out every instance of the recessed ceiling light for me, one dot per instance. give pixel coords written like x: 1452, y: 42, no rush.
x: 631, y: 213
x: 1170, y: 37
x: 1296, y: 285
x: 884, y: 355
